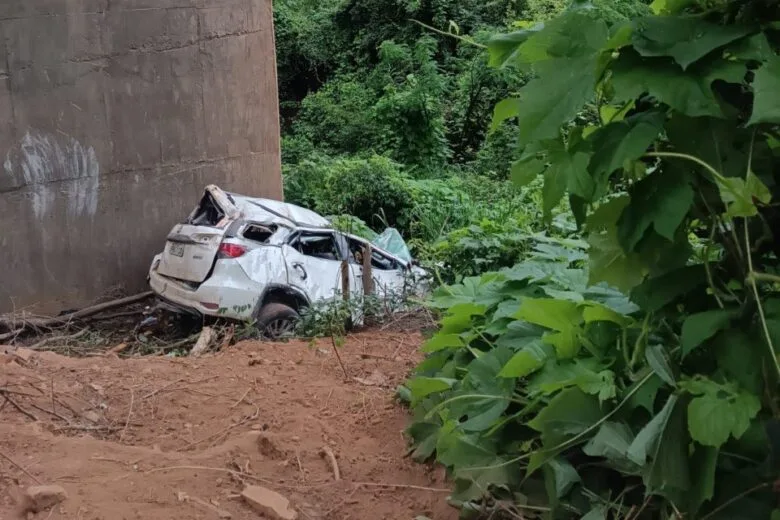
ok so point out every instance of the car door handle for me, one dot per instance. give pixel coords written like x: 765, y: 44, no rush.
x: 300, y: 269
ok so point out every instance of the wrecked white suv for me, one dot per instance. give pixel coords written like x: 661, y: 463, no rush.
x: 261, y: 260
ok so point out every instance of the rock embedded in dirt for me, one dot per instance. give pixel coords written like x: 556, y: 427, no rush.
x: 41, y: 498
x: 269, y: 503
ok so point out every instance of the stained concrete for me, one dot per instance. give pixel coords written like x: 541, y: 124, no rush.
x: 114, y: 114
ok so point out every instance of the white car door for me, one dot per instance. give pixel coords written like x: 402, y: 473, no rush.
x: 314, y: 261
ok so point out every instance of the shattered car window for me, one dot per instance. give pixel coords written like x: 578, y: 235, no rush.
x: 208, y: 212
x: 316, y: 245
x: 259, y: 233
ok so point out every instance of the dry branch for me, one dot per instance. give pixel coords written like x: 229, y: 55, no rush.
x: 18, y: 325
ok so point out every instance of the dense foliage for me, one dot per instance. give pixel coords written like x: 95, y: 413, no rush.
x: 634, y: 375
x: 386, y: 110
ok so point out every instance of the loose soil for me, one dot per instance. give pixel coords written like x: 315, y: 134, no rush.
x: 164, y: 438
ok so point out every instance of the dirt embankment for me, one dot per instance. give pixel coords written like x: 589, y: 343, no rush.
x: 164, y: 438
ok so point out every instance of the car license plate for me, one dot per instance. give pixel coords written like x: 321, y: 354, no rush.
x: 177, y: 249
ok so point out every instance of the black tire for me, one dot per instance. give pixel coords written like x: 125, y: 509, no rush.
x: 276, y: 321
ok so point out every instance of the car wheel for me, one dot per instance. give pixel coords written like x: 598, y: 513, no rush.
x: 276, y: 321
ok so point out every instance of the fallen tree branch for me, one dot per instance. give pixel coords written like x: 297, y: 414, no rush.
x: 53, y: 339
x: 9, y: 459
x: 14, y: 323
x: 18, y: 408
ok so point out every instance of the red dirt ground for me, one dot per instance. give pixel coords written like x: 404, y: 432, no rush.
x: 127, y: 438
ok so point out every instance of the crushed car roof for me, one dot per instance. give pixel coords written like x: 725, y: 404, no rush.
x: 268, y: 210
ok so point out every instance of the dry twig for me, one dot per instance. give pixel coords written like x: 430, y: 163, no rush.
x: 327, y: 453
x: 53, y: 339
x: 9, y: 459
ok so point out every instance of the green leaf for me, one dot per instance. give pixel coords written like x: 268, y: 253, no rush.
x: 571, y: 35
x: 648, y: 437
x: 700, y: 327
x: 668, y: 474
x: 565, y: 171
x: 552, y: 314
x: 622, y: 141
x: 740, y: 195
x: 659, y: 201
x: 482, y: 378
x: 569, y: 413
x: 421, y: 387
x: 655, y: 293
x: 562, y: 476
x: 593, y: 312
x: 530, y: 359
x: 597, y: 513
x: 504, y: 109
x: 612, y: 442
x: 562, y: 88
x: 425, y: 435
x: 656, y: 358
x: 503, y: 48
x: 585, y: 374
x: 766, y: 85
x: 525, y: 171
x: 703, y: 464
x: 740, y: 357
x: 688, y: 92
x: 442, y: 342
x: 719, y: 411
x: 609, y: 263
x: 686, y: 39
x: 645, y: 396
x: 670, y: 6
x: 561, y: 316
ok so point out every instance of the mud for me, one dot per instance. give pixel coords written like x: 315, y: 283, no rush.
x: 162, y: 438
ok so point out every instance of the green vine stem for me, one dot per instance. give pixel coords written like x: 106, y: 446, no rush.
x: 752, y: 280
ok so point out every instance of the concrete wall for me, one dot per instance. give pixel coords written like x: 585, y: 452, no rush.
x: 114, y: 114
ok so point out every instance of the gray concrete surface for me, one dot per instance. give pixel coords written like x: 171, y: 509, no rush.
x: 114, y: 114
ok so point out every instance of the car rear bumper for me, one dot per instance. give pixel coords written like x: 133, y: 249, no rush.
x: 228, y: 293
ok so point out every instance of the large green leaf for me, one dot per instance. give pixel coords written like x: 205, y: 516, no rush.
x: 569, y: 413
x: 719, y: 411
x: 670, y: 6
x: 766, y: 85
x: 528, y: 360
x: 623, y: 141
x: 647, y: 439
x: 421, y: 387
x: 547, y: 102
x: 560, y: 476
x: 572, y: 35
x: 503, y: 48
x: 740, y: 357
x: 655, y: 293
x: 585, y: 374
x: 612, y: 442
x: 659, y: 201
x: 565, y: 171
x: 687, y: 39
x: 688, y: 92
x: 553, y: 314
x: 442, y: 342
x: 668, y: 473
x: 482, y: 379
x: 700, y: 327
x: 609, y: 262
x: 741, y: 195
x: 657, y: 359
x: 561, y: 316
x: 703, y: 464
x: 504, y: 109
x: 645, y: 396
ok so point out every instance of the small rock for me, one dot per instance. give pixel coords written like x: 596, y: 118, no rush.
x: 268, y: 503
x: 25, y: 354
x: 91, y: 416
x: 41, y: 498
x: 295, y: 438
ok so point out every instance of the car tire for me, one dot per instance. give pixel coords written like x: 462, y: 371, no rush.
x: 276, y: 321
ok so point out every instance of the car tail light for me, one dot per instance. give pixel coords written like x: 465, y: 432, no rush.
x: 231, y: 250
